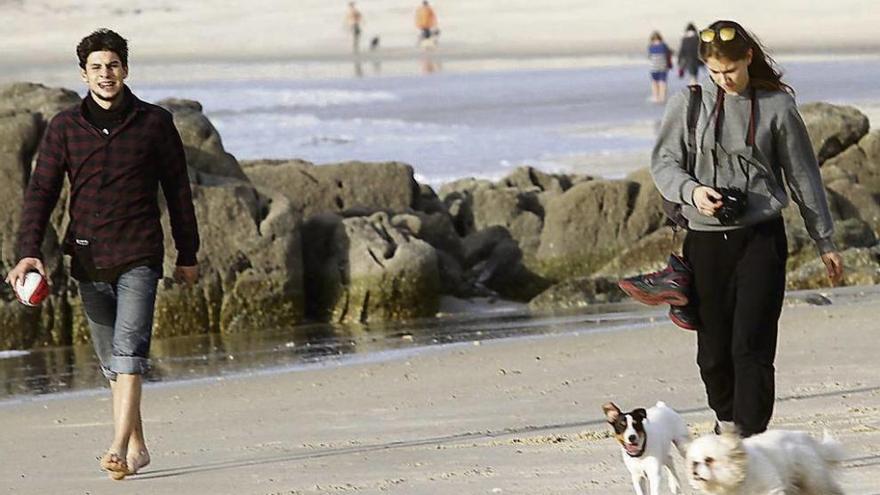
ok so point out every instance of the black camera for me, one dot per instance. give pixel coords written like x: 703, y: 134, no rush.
x: 733, y: 204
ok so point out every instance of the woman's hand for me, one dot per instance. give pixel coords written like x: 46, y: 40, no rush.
x: 707, y: 200
x: 834, y: 266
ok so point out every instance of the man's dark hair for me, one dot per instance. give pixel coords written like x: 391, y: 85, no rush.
x: 100, y: 41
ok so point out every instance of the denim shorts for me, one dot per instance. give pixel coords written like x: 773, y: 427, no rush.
x: 120, y: 316
x: 659, y: 75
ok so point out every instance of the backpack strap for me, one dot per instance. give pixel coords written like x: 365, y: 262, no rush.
x: 693, y: 114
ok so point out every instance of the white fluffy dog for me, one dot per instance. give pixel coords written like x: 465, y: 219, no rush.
x: 773, y: 463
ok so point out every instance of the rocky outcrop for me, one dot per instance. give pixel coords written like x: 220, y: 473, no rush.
x: 25, y: 110
x: 364, y: 269
x: 250, y: 262
x: 33, y: 98
x: 350, y: 188
x: 589, y: 224
x: 833, y: 128
x: 862, y: 267
x: 495, y: 261
x: 201, y: 142
x: 283, y: 241
x: 577, y: 293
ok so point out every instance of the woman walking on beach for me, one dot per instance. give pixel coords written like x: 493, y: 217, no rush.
x: 750, y: 140
x: 661, y: 61
x: 689, y: 54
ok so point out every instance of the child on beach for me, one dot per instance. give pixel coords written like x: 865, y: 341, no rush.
x: 660, y: 58
x: 752, y: 142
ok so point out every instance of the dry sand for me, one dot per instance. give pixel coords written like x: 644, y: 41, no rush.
x: 519, y: 416
x: 199, y: 30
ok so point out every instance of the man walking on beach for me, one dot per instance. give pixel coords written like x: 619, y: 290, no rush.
x: 426, y: 22
x: 116, y: 150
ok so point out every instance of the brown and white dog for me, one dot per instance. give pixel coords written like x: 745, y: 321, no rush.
x: 646, y: 438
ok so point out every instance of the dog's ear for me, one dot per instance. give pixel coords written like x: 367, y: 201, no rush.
x: 639, y: 414
x: 612, y: 412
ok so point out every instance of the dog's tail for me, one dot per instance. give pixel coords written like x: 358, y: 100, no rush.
x: 831, y: 450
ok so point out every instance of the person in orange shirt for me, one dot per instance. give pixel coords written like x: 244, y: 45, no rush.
x: 426, y: 22
x: 353, y: 20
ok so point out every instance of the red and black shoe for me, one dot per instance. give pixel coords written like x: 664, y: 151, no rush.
x: 670, y: 285
x: 685, y: 317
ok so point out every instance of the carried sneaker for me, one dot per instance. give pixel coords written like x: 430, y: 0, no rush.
x: 685, y: 317
x: 670, y: 285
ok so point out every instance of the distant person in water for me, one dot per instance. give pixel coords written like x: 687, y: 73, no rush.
x: 426, y: 22
x: 689, y: 62
x: 354, y: 20
x: 660, y: 58
x: 116, y: 150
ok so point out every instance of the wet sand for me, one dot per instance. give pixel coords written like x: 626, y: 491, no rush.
x: 507, y: 416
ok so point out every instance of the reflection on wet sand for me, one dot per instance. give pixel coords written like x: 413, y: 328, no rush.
x: 61, y: 369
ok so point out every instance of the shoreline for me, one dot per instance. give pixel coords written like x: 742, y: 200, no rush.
x: 397, y: 63
x: 508, y: 416
x: 607, y: 318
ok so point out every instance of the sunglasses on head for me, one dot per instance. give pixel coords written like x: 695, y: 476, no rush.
x: 723, y: 33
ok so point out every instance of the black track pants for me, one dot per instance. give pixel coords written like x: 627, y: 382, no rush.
x: 739, y: 282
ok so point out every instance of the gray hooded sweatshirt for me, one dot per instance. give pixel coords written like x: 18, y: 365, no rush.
x: 782, y: 154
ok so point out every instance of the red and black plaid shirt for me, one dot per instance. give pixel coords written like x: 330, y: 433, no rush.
x: 114, y: 182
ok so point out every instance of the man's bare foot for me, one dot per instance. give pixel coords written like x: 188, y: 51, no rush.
x: 115, y: 465
x: 138, y: 460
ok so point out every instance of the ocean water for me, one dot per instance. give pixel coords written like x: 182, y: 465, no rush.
x: 450, y: 124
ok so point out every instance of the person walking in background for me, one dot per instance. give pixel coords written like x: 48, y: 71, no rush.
x: 426, y: 22
x: 689, y: 54
x: 661, y: 61
x: 116, y: 150
x: 354, y: 20
x: 751, y: 142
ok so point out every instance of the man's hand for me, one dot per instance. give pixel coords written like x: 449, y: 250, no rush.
x: 834, y: 266
x: 707, y: 200
x: 187, y: 274
x: 22, y: 268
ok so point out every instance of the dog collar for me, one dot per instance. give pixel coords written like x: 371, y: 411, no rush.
x: 642, y: 451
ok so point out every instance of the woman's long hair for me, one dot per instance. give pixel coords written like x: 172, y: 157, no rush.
x: 763, y: 73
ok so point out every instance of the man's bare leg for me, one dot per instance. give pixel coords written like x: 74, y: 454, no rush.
x: 138, y: 455
x: 126, y: 418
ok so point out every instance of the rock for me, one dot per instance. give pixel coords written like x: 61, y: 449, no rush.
x: 201, y: 142
x: 518, y: 211
x: 870, y: 144
x: 495, y: 261
x: 364, y: 269
x: 452, y: 275
x: 854, y: 162
x: 850, y: 200
x: 647, y: 212
x: 182, y: 310
x: 427, y: 201
x: 862, y: 267
x: 833, y: 128
x: 435, y: 228
x: 250, y: 263
x: 352, y: 188
x: 20, y: 133
x: 576, y: 293
x: 526, y: 178
x: 43, y: 101
x: 588, y: 225
x: 849, y: 233
x: 647, y: 255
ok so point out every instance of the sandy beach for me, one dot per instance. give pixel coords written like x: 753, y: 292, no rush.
x: 507, y: 416
x: 306, y: 29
